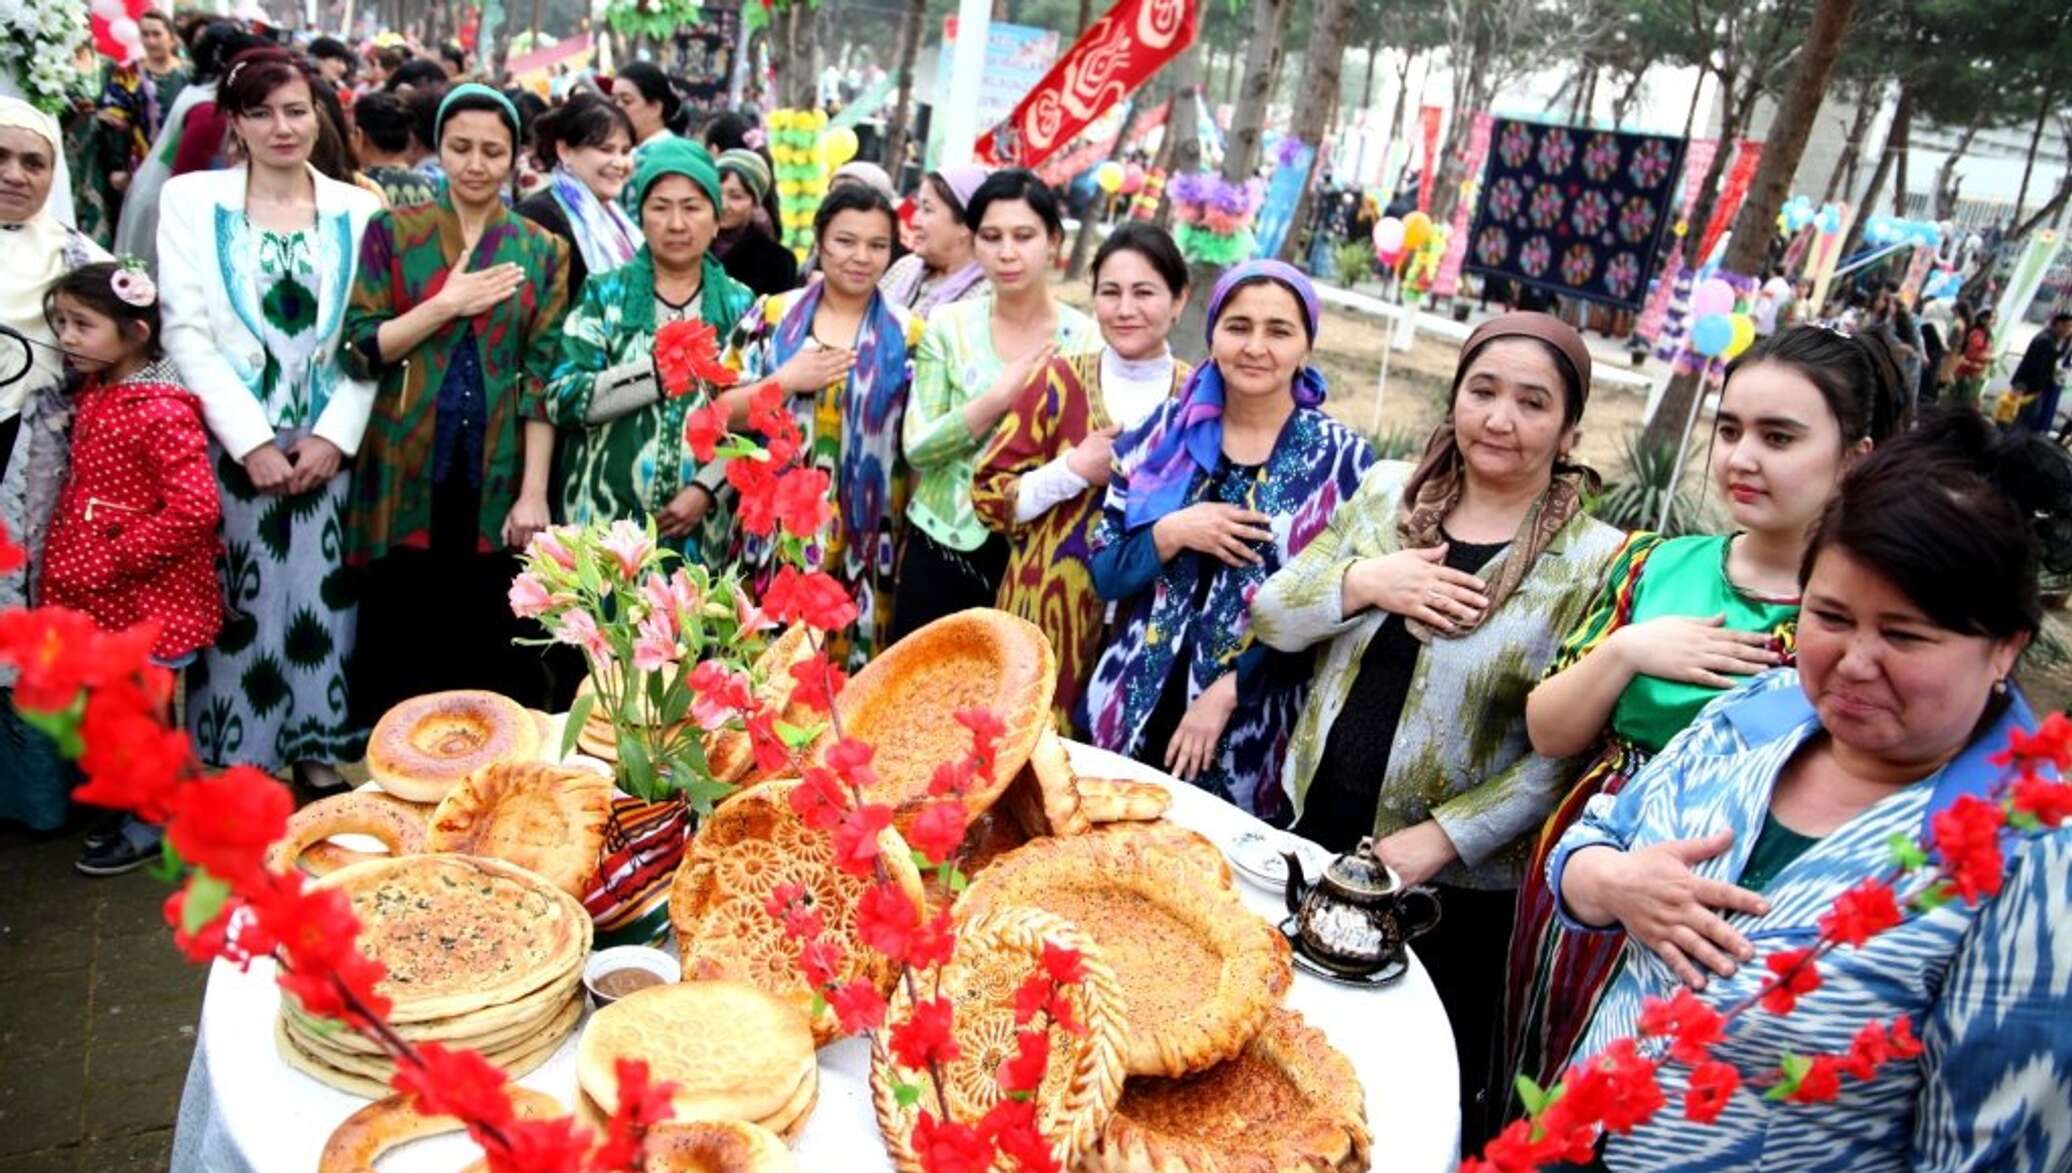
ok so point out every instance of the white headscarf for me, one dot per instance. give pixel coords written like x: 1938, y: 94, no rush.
x: 32, y: 257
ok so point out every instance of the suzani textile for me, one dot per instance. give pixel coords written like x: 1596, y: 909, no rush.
x: 1574, y: 211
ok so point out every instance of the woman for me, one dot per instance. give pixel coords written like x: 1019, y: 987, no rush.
x: 587, y: 147
x: 744, y: 244
x: 842, y: 354
x: 974, y: 361
x: 623, y: 452
x: 650, y: 100
x: 1920, y: 587
x: 457, y: 311
x: 1677, y: 620
x: 256, y: 263
x: 1440, y: 589
x: 1977, y: 360
x: 1041, y: 480
x: 36, y: 249
x: 1209, y: 496
x: 943, y: 268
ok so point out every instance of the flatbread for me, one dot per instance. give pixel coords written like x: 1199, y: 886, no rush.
x: 1117, y: 800
x: 517, y: 1065
x: 1044, y: 797
x: 424, y: 745
x: 363, y: 1137
x: 548, y: 1034
x: 548, y: 819
x: 399, y: 825
x: 716, y: 1146
x: 734, y: 1051
x: 489, y: 1027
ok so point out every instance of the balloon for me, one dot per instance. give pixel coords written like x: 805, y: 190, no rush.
x: 109, y: 10
x: 1829, y: 220
x: 1109, y: 176
x: 1389, y: 235
x: 838, y: 146
x: 1389, y: 257
x: 1712, y: 334
x: 1714, y: 296
x: 1744, y: 334
x: 125, y: 31
x: 1417, y: 228
x: 1132, y: 179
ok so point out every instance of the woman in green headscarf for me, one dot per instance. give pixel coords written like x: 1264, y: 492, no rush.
x: 623, y: 453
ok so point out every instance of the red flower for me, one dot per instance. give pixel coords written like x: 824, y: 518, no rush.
x: 1784, y: 995
x: 938, y: 830
x: 771, y: 754
x: 2051, y: 743
x: 132, y: 762
x: 986, y: 732
x: 925, y: 1038
x: 688, y: 350
x: 315, y: 927
x: 1861, y: 913
x: 211, y: 940
x: 856, y: 837
x: 813, y: 597
x: 2050, y: 802
x: 1901, y: 1038
x: 802, y: 505
x: 344, y: 992
x: 819, y: 958
x: 12, y: 557
x: 757, y: 484
x: 59, y: 652
x: 886, y: 920
x: 454, y: 1083
x: 551, y: 1145
x: 1011, y: 1126
x: 1867, y: 1051
x: 851, y: 760
x: 1064, y: 966
x: 1694, y: 1025
x: 1510, y: 1151
x: 1024, y: 1072
x: 1967, y: 836
x: 790, y: 904
x: 818, y: 798
x: 1633, y: 1095
x: 1821, y: 1083
x: 858, y: 1005
x: 949, y: 1147
x: 932, y: 942
x: 224, y: 824
x: 1031, y: 997
x: 1712, y: 1084
x: 642, y: 1105
x: 818, y: 682
x: 766, y: 410
x: 952, y: 777
x: 703, y: 429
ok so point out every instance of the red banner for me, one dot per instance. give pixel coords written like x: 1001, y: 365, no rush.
x: 1732, y: 191
x: 1063, y: 167
x: 1430, y: 116
x: 1117, y: 53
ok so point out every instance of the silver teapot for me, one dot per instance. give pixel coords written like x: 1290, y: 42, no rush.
x: 1356, y: 918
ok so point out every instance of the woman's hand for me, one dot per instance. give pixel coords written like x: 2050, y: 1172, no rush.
x: 1662, y: 904
x: 527, y: 518
x: 1193, y: 746
x: 1417, y: 853
x: 1222, y: 531
x: 684, y: 512
x: 813, y: 368
x: 1417, y: 584
x: 269, y: 469
x: 1694, y: 651
x: 1092, y: 459
x: 468, y: 292
x: 316, y: 460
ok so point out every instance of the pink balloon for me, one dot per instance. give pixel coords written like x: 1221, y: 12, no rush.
x: 1132, y: 178
x: 125, y: 31
x: 110, y: 10
x: 1388, y: 236
x: 1714, y: 296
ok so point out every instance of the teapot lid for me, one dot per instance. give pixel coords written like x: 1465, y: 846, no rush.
x: 1361, y: 872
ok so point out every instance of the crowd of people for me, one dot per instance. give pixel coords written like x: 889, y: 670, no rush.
x: 366, y: 341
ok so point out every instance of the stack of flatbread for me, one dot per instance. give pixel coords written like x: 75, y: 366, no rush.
x: 733, y: 1051
x: 480, y: 954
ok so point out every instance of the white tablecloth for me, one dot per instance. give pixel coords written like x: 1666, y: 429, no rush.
x: 244, y: 1109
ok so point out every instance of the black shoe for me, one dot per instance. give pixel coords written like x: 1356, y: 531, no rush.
x: 126, y: 851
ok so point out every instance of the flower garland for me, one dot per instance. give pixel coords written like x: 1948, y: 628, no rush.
x: 800, y: 171
x: 36, y: 49
x: 1213, y: 217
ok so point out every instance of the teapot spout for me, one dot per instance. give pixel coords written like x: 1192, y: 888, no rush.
x: 1298, y: 884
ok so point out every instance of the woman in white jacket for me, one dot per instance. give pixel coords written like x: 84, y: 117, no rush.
x: 256, y: 264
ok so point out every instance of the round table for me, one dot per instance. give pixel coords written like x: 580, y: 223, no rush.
x: 245, y: 1109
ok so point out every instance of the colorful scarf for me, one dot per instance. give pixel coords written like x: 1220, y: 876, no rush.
x: 907, y: 287
x: 870, y: 415
x: 1194, y: 442
x: 605, y: 234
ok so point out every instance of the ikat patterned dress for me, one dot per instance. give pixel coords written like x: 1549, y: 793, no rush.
x: 1200, y: 608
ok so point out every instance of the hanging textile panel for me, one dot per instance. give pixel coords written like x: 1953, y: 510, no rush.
x: 1574, y: 211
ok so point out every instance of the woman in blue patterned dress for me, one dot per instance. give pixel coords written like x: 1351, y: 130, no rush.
x: 1919, y: 595
x: 1212, y: 493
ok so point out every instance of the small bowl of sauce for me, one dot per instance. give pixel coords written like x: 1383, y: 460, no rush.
x: 614, y: 973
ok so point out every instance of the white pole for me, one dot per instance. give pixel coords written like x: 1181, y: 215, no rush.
x: 1381, y: 389
x: 967, y: 64
x: 737, y: 84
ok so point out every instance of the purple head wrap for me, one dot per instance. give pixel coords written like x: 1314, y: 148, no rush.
x: 963, y: 181
x: 1192, y: 436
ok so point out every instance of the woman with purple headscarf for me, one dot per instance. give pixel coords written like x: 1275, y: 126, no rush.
x: 1215, y: 491
x: 943, y: 266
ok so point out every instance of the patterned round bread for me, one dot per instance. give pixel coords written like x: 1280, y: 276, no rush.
x: 365, y: 1135
x: 729, y: 755
x: 716, y: 1146
x: 749, y: 846
x: 734, y: 1052
x: 399, y: 825
x: 1287, y: 1102
x: 547, y: 819
x: 1198, y: 970
x: 993, y: 954
x: 905, y: 703
x: 420, y: 748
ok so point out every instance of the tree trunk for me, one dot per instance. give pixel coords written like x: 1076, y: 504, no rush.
x: 899, y: 128
x: 1086, y: 17
x: 1852, y: 147
x: 1947, y: 181
x: 1331, y: 21
x: 1796, y: 110
x: 2029, y: 162
x: 1700, y: 214
x: 792, y: 50
x: 1901, y: 136
x: 1894, y: 137
x: 1367, y: 86
x: 1269, y: 21
x: 1180, y: 151
x: 1103, y: 203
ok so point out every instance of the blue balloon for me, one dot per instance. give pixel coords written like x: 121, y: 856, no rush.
x: 1712, y: 334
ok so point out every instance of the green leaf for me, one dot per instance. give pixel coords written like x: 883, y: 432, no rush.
x: 1932, y: 897
x: 1906, y: 854
x: 1795, y: 1067
x: 819, y: 1005
x: 921, y: 861
x: 908, y: 1094
x: 1530, y: 1094
x: 636, y: 768
x: 578, y: 713
x: 61, y: 726
x: 957, y: 880
x: 2024, y: 821
x: 586, y: 571
x: 796, y: 736
x: 704, y: 793
x: 205, y: 898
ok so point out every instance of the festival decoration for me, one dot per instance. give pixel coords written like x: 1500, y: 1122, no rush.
x: 1447, y: 280
x: 1714, y: 296
x: 1132, y: 178
x: 1213, y: 217
x: 1573, y: 212
x: 799, y: 166
x: 1145, y: 206
x: 1417, y: 228
x: 1743, y: 335
x: 1429, y: 118
x: 1111, y: 59
x: 1748, y: 153
x: 1108, y: 177
x: 1095, y: 146
x: 1292, y: 161
x: 36, y: 42
x: 837, y: 146
x: 1388, y: 236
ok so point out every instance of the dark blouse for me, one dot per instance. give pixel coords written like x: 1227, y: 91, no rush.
x: 1347, y: 785
x: 544, y: 210
x: 762, y: 264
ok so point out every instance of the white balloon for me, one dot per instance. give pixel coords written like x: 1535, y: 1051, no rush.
x: 108, y: 10
x: 125, y: 31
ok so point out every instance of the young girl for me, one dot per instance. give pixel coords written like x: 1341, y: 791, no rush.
x: 133, y: 537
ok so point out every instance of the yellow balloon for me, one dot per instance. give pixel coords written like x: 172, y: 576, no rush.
x: 1417, y: 228
x: 1744, y: 334
x: 838, y: 146
x: 1108, y: 177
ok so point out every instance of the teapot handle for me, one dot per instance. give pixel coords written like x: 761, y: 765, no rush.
x: 1417, y: 924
